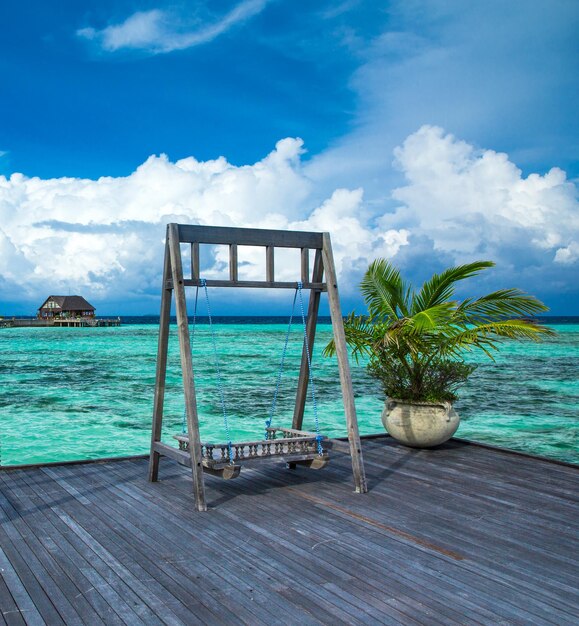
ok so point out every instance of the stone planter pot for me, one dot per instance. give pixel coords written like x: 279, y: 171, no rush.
x: 420, y: 424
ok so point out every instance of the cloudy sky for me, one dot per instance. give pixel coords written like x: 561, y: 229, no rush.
x: 430, y: 132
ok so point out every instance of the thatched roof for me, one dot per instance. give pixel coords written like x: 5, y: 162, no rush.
x: 70, y: 303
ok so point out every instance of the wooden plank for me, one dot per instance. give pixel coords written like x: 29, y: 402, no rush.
x: 145, y: 606
x: 98, y: 583
x: 161, y: 370
x: 27, y: 536
x: 305, y: 265
x: 41, y: 521
x: 269, y: 265
x: 326, y: 522
x: 183, y: 458
x: 187, y: 367
x: 195, y: 264
x: 373, y: 505
x: 251, y: 284
x: 262, y: 556
x: 10, y: 613
x: 114, y: 527
x: 21, y: 589
x: 344, y: 367
x: 219, y: 235
x: 211, y: 541
x: 491, y: 540
x: 233, y: 263
x: 216, y: 584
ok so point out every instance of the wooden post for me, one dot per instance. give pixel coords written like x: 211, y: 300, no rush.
x: 304, y: 377
x: 161, y: 366
x: 344, y: 367
x: 233, y: 271
x: 195, y: 260
x: 269, y: 264
x: 187, y: 367
x: 305, y: 264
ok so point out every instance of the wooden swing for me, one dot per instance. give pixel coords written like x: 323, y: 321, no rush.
x: 294, y: 446
x: 286, y: 445
x: 290, y: 445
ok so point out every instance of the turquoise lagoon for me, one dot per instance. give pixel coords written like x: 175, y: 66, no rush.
x: 74, y: 393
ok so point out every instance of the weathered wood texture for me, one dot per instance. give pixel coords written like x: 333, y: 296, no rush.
x: 312, y: 322
x: 186, y: 366
x: 174, y: 281
x: 161, y: 371
x: 343, y: 366
x: 217, y: 235
x: 458, y: 535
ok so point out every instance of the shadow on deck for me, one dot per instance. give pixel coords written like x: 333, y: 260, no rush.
x: 458, y: 535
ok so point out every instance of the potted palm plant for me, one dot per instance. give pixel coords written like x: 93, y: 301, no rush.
x: 416, y: 341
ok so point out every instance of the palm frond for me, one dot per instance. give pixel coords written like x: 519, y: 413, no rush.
x: 440, y: 287
x: 384, y: 291
x: 360, y: 336
x: 486, y: 336
x: 501, y: 303
x: 434, y: 317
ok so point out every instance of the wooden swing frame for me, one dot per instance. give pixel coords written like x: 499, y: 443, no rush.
x: 295, y: 445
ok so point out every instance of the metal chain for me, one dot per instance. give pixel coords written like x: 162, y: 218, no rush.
x: 311, y: 378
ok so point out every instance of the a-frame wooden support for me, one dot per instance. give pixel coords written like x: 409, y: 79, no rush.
x: 175, y: 281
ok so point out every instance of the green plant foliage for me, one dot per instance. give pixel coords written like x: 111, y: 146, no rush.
x: 416, y: 340
x: 439, y: 381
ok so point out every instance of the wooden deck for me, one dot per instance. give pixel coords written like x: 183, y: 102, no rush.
x: 459, y: 535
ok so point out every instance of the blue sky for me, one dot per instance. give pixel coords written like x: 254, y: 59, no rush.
x: 430, y: 132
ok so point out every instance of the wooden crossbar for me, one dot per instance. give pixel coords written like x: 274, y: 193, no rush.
x: 251, y: 284
x: 220, y: 235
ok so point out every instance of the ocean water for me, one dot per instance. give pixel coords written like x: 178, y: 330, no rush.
x: 86, y: 393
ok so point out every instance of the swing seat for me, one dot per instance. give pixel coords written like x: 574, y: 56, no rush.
x: 291, y: 446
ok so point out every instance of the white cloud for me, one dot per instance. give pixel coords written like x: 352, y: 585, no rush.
x: 568, y: 255
x: 471, y: 202
x: 104, y: 238
x: 501, y: 74
x: 158, y: 31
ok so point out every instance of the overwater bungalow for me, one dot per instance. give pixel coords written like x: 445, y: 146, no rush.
x: 63, y: 307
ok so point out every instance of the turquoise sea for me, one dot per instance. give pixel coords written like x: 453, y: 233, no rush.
x: 86, y: 393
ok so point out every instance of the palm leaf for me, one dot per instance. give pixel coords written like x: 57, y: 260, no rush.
x: 501, y: 303
x: 486, y: 336
x: 360, y: 336
x: 434, y: 317
x: 441, y: 286
x: 384, y: 291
